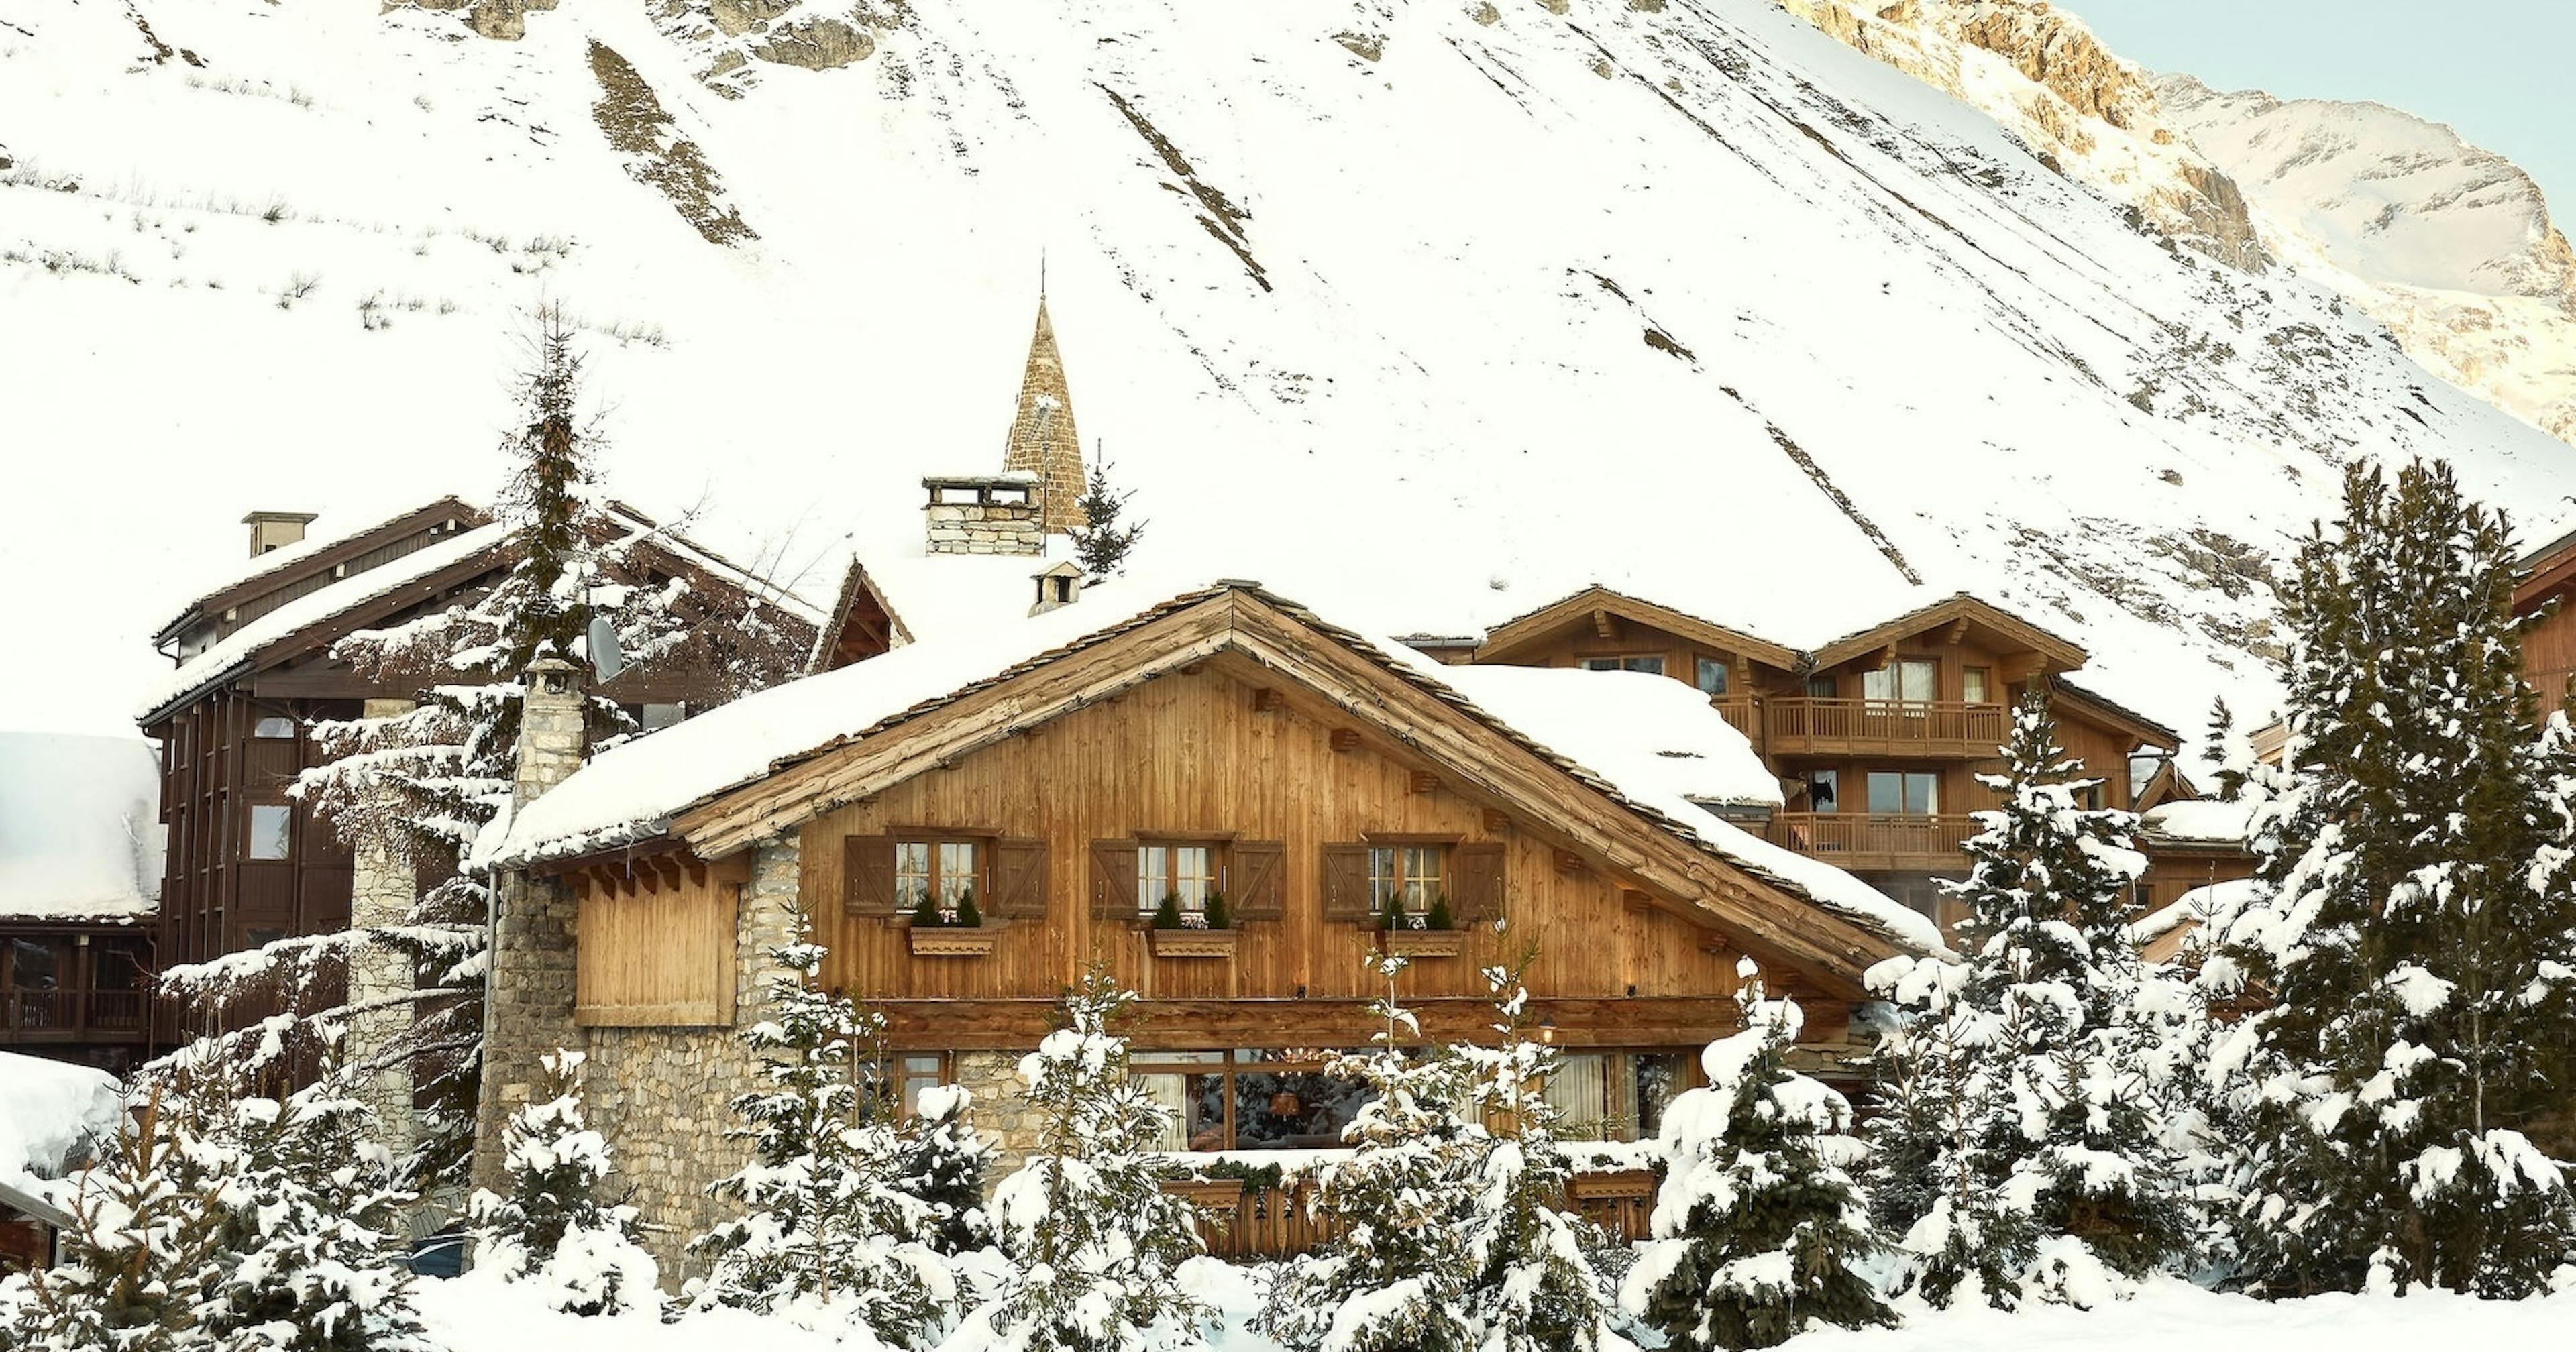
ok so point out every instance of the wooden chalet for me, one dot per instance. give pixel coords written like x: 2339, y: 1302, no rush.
x: 80, y: 877
x: 1877, y: 737
x: 247, y: 863
x: 2545, y: 597
x: 1228, y: 749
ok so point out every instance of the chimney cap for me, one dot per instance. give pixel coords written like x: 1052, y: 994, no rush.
x: 1007, y: 479
x: 551, y: 662
x: 296, y: 518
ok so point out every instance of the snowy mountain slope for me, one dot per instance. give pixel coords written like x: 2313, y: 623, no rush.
x: 1465, y: 305
x: 2448, y: 245
x: 2451, y: 245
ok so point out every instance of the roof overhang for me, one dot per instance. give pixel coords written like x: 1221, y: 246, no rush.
x: 1588, y: 605
x: 1964, y: 616
x: 1409, y: 712
x: 320, y: 561
x: 2143, y: 730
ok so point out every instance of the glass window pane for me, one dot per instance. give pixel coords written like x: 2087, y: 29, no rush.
x: 1824, y: 687
x: 956, y: 870
x: 1294, y: 1110
x: 1600, y: 664
x: 1972, y: 685
x: 1580, y: 1089
x: 1922, y: 794
x: 269, y: 829
x: 1381, y: 876
x: 1918, y: 679
x: 1151, y: 879
x: 1879, y: 684
x: 1886, y: 792
x: 911, y: 873
x: 1652, y: 666
x: 1658, y: 1080
x: 274, y: 727
x: 1712, y: 677
x: 1171, y: 1094
x: 1823, y: 786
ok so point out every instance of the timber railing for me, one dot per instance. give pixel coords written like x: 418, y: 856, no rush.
x: 29, y: 1014
x: 1862, y: 840
x: 1256, y: 1224
x: 1901, y: 727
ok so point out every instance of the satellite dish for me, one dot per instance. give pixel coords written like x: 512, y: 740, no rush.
x: 605, y: 660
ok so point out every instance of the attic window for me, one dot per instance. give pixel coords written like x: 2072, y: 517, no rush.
x: 274, y: 727
x: 655, y: 717
x: 1651, y: 665
x: 1712, y: 677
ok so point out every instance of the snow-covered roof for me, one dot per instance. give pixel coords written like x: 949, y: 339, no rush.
x: 2209, y: 822
x: 631, y: 793
x: 53, y: 1114
x: 233, y: 655
x: 80, y: 835
x: 338, y: 528
x: 2192, y: 908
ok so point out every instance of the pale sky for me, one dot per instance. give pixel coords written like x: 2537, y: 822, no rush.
x: 2498, y: 71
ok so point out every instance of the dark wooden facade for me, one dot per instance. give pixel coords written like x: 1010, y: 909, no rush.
x: 77, y: 990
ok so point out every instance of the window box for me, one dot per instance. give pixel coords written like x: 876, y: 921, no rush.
x: 1220, y: 1198
x: 1423, y: 943
x: 950, y: 941
x: 1192, y: 943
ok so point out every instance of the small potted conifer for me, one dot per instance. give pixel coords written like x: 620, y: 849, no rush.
x: 1203, y: 933
x: 1431, y: 933
x: 950, y: 931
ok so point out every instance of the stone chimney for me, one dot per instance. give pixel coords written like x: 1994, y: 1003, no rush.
x: 270, y: 530
x: 550, y: 729
x: 983, y: 514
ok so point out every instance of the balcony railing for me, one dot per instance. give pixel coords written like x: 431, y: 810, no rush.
x: 1870, y: 841
x: 1739, y: 710
x: 60, y: 1015
x: 1886, y: 726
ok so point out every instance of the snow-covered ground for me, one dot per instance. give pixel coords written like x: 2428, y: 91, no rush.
x: 1472, y: 304
x: 478, y: 1315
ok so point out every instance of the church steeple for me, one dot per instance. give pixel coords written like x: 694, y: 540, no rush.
x: 1043, y: 441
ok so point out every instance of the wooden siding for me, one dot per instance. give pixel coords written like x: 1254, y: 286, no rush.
x: 655, y: 953
x: 1187, y: 757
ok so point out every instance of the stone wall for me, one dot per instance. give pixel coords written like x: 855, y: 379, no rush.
x: 1002, y: 1111
x: 983, y: 528
x: 663, y: 1097
x: 382, y: 887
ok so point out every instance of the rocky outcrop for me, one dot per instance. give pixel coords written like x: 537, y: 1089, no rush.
x: 807, y: 34
x: 503, y: 19
x: 631, y: 116
x: 2084, y: 110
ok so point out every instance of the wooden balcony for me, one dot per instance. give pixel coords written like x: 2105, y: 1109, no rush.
x: 1884, y: 727
x: 72, y: 1016
x: 1863, y: 842
x: 1241, y: 1224
x: 1739, y: 710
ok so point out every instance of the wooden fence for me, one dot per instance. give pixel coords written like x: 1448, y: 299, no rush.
x: 1268, y: 1223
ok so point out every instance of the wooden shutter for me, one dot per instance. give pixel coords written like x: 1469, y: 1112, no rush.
x: 1476, y: 881
x: 1019, y: 879
x: 1260, y: 878
x: 1113, y: 879
x: 867, y: 875
x: 1346, y: 882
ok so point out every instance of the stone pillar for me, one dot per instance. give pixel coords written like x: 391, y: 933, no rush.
x: 527, y: 1004
x: 382, y: 888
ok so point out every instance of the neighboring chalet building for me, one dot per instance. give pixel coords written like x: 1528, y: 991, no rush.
x: 247, y: 862
x: 1073, y: 768
x: 2546, y: 597
x: 1876, y: 736
x: 80, y: 885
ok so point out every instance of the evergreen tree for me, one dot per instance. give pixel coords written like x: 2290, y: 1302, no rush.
x: 2043, y: 1067
x: 146, y: 1249
x: 1760, y: 1230
x: 310, y: 1208
x: 1531, y: 1286
x: 2413, y: 948
x: 1399, y: 1276
x: 556, y: 1228
x: 943, y: 1163
x: 1103, y: 544
x: 1091, y: 1242
x: 824, y: 1219
x: 428, y: 783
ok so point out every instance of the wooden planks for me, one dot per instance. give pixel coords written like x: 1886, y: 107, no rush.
x: 658, y: 958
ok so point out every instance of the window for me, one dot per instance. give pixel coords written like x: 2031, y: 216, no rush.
x: 274, y: 727
x: 1249, y: 1099
x: 1185, y: 871
x: 1974, y: 686
x: 1412, y: 872
x: 1904, y: 793
x: 1824, y: 686
x: 1652, y: 666
x: 655, y: 717
x: 1657, y: 1078
x: 1713, y: 677
x: 899, y: 1080
x: 1910, y: 679
x: 271, y: 830
x: 1580, y: 1089
x: 1822, y: 788
x: 940, y: 870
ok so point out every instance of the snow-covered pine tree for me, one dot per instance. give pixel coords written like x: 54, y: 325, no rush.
x: 145, y: 1251
x: 557, y: 1228
x: 1532, y: 1286
x: 1936, y: 1166
x: 1397, y: 1276
x: 310, y: 1212
x: 1092, y: 1244
x: 943, y: 1163
x: 2413, y: 950
x: 822, y: 1233
x: 1103, y: 544
x: 1760, y: 1230
x: 425, y: 784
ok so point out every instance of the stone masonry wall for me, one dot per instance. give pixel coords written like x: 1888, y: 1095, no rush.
x: 382, y: 887
x: 663, y: 1097
x: 983, y: 528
